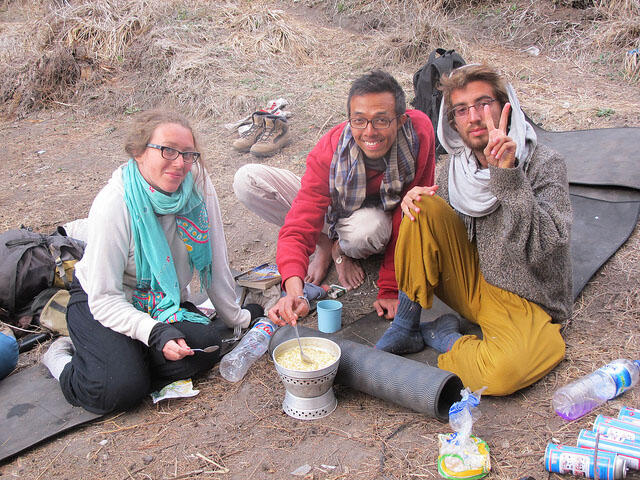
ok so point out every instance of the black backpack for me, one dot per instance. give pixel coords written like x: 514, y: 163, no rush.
x: 426, y: 81
x: 31, y: 262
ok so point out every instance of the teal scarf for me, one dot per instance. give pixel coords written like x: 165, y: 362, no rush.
x: 157, y: 288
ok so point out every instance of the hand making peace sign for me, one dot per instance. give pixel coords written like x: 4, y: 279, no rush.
x: 501, y: 149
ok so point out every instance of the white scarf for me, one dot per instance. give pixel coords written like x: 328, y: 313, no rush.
x: 469, y: 191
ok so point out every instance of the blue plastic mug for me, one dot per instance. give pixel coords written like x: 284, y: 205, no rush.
x: 329, y: 316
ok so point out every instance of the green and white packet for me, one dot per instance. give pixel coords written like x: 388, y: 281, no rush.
x: 177, y: 389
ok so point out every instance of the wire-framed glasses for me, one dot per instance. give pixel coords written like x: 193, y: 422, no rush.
x: 463, y: 110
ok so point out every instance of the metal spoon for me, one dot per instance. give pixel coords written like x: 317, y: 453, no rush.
x: 209, y: 349
x: 303, y: 356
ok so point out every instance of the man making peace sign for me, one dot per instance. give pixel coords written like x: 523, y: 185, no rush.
x: 493, y: 244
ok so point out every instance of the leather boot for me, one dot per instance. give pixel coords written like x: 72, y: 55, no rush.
x: 275, y: 136
x: 249, y: 137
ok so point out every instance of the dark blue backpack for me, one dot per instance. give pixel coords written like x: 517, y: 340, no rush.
x: 425, y: 85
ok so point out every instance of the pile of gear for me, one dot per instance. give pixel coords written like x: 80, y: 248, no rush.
x: 265, y: 132
x: 35, y: 272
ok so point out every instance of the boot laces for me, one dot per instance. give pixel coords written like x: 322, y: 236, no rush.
x: 251, y: 131
x: 267, y: 133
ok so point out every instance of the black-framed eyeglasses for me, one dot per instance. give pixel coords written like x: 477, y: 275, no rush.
x: 169, y: 153
x: 360, y: 123
x: 463, y: 110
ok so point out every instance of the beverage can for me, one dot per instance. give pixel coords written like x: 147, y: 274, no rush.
x: 630, y: 415
x: 580, y: 462
x: 627, y: 449
x: 616, y: 429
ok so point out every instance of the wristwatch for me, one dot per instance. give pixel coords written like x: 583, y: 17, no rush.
x: 338, y: 260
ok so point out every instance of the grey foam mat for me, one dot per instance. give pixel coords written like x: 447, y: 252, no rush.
x: 603, y: 170
x: 32, y: 409
x: 608, y: 194
x: 606, y: 156
x: 599, y: 228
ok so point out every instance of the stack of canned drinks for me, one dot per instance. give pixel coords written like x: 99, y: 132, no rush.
x: 605, y: 453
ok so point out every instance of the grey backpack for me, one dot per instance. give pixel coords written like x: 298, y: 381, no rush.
x: 31, y: 262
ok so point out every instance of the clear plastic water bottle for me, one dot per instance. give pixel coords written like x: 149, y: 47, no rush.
x: 234, y: 365
x: 583, y: 395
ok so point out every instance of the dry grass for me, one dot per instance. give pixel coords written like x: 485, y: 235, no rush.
x: 124, y: 55
x: 75, y: 47
x: 632, y: 65
x: 425, y: 28
x: 595, y: 35
x: 262, y: 30
x: 100, y: 30
x: 108, y: 47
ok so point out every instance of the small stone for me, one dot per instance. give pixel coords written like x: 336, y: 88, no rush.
x: 302, y: 470
x: 104, y: 442
x: 147, y: 459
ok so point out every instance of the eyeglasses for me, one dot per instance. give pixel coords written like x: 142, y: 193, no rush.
x: 171, y: 154
x: 361, y: 123
x: 463, y: 110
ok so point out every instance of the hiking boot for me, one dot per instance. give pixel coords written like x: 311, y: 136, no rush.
x: 249, y: 137
x: 275, y: 136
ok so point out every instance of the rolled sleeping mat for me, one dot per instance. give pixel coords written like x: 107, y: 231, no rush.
x: 390, y: 377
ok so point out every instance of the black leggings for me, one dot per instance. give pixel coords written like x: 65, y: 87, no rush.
x: 110, y: 371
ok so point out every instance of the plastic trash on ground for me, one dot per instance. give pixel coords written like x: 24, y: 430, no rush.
x: 463, y: 455
x: 177, y: 389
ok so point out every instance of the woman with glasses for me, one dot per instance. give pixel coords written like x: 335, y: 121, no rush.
x: 155, y: 222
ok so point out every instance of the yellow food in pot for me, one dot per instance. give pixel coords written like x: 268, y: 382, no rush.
x: 291, y: 360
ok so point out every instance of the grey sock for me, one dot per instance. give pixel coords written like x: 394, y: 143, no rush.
x: 58, y: 355
x: 403, y: 336
x: 442, y: 333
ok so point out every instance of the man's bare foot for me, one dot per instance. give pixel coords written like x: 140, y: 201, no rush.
x: 320, y: 261
x: 350, y: 273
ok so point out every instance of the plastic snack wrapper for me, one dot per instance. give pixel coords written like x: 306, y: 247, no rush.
x: 177, y: 389
x: 463, y: 455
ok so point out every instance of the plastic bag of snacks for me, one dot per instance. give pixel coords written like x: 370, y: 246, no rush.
x: 463, y: 455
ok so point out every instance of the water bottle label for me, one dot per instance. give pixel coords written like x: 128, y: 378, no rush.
x: 620, y: 375
x: 264, y: 328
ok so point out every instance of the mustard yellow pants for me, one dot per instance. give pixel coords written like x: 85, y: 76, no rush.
x: 520, y: 344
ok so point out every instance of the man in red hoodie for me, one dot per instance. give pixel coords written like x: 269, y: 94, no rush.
x: 346, y: 207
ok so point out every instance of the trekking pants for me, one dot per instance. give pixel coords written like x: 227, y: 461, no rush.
x: 110, y: 371
x: 520, y: 344
x: 269, y: 192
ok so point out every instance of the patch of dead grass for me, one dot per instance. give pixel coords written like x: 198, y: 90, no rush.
x: 102, y: 29
x: 125, y: 55
x: 260, y: 29
x: 425, y: 29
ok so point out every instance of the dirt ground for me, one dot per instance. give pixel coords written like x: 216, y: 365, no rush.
x: 57, y: 159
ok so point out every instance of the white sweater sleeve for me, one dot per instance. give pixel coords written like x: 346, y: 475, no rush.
x: 102, y: 270
x: 222, y: 288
